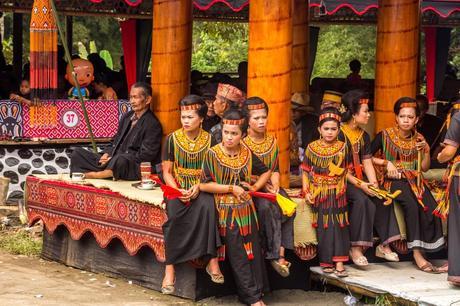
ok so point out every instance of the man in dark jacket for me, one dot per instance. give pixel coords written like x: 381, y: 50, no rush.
x: 138, y: 139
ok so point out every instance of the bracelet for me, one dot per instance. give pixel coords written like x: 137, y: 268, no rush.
x: 230, y: 188
x: 385, y: 163
x: 358, y: 183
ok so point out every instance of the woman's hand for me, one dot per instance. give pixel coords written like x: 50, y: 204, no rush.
x: 194, y: 191
x: 309, y: 198
x: 272, y: 188
x: 185, y: 195
x: 365, y: 187
x: 392, y: 171
x: 248, y: 186
x: 240, y: 193
x: 421, y: 144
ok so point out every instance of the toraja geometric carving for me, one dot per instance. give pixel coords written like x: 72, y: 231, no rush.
x: 61, y: 119
x: 106, y: 214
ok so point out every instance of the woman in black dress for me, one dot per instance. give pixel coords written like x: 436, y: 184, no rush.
x: 324, y: 182
x: 277, y: 230
x: 398, y: 148
x: 451, y: 206
x: 361, y: 208
x: 191, y: 229
x: 227, y: 172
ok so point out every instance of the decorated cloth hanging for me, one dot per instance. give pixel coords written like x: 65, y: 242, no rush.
x: 43, y: 51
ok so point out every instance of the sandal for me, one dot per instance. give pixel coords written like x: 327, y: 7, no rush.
x: 428, y: 268
x: 216, y: 278
x: 443, y: 268
x: 361, y: 261
x: 282, y: 270
x: 341, y: 273
x: 168, y: 289
x: 392, y: 256
x: 328, y: 270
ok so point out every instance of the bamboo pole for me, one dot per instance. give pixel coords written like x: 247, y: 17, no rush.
x: 269, y: 68
x: 62, y: 34
x: 398, y: 32
x: 300, y: 47
x: 171, y: 59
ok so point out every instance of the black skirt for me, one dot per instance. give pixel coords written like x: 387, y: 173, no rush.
x: 454, y: 232
x: 361, y: 213
x: 191, y: 230
x: 424, y: 230
x: 385, y: 222
x: 249, y: 274
x: 333, y: 239
x: 276, y: 230
x: 123, y: 166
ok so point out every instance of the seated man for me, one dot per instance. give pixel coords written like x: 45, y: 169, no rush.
x: 138, y: 139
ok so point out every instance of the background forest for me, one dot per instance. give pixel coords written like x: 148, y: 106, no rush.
x: 220, y: 46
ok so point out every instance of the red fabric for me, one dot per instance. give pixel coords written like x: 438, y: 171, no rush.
x: 268, y: 196
x: 430, y: 54
x: 128, y: 41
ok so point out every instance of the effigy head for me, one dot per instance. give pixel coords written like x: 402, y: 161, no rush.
x: 84, y: 71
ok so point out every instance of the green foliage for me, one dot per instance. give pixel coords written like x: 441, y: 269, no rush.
x: 20, y: 243
x: 219, y: 46
x: 8, y: 49
x: 102, y: 33
x: 454, y: 51
x: 107, y: 57
x: 82, y: 52
x: 339, y: 44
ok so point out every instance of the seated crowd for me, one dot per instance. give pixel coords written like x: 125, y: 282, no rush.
x: 222, y: 159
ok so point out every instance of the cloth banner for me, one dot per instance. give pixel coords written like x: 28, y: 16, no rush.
x: 128, y: 41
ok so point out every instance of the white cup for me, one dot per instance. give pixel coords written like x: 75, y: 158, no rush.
x: 78, y: 176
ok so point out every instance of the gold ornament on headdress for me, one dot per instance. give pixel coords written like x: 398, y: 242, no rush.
x: 256, y: 106
x: 329, y: 115
x: 409, y: 104
x: 233, y: 122
x: 363, y: 101
x: 190, y: 107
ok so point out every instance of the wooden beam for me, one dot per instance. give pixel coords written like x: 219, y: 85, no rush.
x: 69, y: 32
x: 17, y: 45
x: 171, y: 59
x: 398, y: 30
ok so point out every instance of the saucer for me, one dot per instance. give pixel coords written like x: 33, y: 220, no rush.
x: 142, y: 187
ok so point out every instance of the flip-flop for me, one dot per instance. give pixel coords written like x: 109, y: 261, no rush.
x: 444, y: 267
x: 428, y: 268
x: 341, y: 273
x: 328, y: 270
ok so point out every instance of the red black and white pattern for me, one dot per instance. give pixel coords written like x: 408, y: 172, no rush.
x: 106, y: 214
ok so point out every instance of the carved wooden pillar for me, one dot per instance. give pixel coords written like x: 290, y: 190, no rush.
x: 398, y: 30
x: 171, y: 59
x: 269, y: 68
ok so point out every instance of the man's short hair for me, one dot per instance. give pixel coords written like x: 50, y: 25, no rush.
x: 145, y: 88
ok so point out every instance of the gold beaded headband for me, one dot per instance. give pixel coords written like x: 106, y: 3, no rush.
x: 329, y: 115
x: 456, y: 106
x: 363, y: 101
x: 190, y: 107
x: 409, y: 104
x: 233, y: 122
x: 256, y: 106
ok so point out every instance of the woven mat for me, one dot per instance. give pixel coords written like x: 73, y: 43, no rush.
x: 124, y: 188
x: 304, y: 233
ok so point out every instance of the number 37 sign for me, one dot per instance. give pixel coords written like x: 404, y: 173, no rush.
x: 70, y: 119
